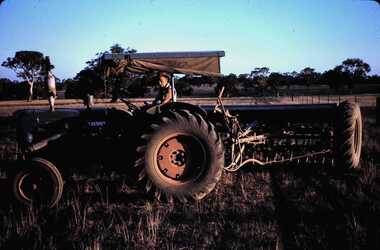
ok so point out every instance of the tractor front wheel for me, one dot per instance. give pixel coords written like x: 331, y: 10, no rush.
x: 37, y: 182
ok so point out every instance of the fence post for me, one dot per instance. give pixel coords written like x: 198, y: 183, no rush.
x: 378, y: 111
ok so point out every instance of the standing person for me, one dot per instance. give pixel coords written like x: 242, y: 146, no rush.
x: 50, y: 83
x: 51, y: 90
x: 165, y: 93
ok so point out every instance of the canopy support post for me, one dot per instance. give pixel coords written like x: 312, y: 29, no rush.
x: 172, y: 89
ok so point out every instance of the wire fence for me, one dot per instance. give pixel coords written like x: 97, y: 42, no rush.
x: 362, y: 100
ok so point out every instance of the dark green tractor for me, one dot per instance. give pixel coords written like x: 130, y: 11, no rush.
x: 176, y: 150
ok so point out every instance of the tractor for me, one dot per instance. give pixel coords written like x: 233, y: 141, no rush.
x: 175, y: 150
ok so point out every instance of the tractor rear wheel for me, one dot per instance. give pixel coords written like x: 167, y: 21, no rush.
x: 182, y: 157
x: 348, y: 142
x: 38, y: 182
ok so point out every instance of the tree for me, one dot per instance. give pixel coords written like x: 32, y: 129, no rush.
x: 6, y: 89
x: 353, y: 70
x: 308, y: 76
x: 89, y: 82
x: 28, y: 65
x: 111, y: 84
x: 12, y: 90
x: 114, y: 49
x: 183, y: 86
x: 229, y: 83
x: 72, y: 89
x: 289, y: 79
x: 127, y: 81
x: 258, y: 80
x: 208, y: 80
x: 118, y: 49
x: 137, y: 86
x: 335, y: 78
x: 260, y: 72
x: 274, y: 81
x: 374, y: 79
x: 356, y: 67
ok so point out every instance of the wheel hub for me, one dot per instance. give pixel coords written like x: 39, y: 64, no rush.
x: 173, y: 158
x: 180, y: 156
x: 29, y: 186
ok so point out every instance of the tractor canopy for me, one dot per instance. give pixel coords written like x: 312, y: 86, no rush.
x: 206, y: 63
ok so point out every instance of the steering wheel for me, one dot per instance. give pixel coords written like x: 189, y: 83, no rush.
x: 130, y: 105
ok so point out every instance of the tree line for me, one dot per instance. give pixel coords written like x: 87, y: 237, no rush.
x: 262, y: 82
x: 29, y: 67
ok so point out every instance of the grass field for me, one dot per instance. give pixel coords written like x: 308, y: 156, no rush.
x: 287, y: 207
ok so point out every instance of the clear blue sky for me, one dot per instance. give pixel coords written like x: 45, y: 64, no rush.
x: 282, y: 35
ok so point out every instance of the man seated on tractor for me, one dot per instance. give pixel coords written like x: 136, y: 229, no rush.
x: 165, y: 93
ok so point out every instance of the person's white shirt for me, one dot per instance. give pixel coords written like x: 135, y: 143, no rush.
x: 52, y: 90
x: 51, y: 83
x: 174, y: 94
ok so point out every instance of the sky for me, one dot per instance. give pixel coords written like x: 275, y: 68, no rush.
x: 284, y: 35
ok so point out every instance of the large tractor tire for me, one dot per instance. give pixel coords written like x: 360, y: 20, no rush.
x: 348, y: 140
x: 180, y: 156
x: 37, y: 182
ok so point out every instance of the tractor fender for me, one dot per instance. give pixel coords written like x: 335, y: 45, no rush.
x: 184, y: 106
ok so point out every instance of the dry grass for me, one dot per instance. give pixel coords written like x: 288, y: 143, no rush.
x: 291, y: 207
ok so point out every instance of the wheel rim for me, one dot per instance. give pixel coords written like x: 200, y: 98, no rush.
x: 180, y: 158
x: 25, y: 187
x: 35, y: 187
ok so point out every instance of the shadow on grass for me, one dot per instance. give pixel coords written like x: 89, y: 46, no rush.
x: 318, y: 208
